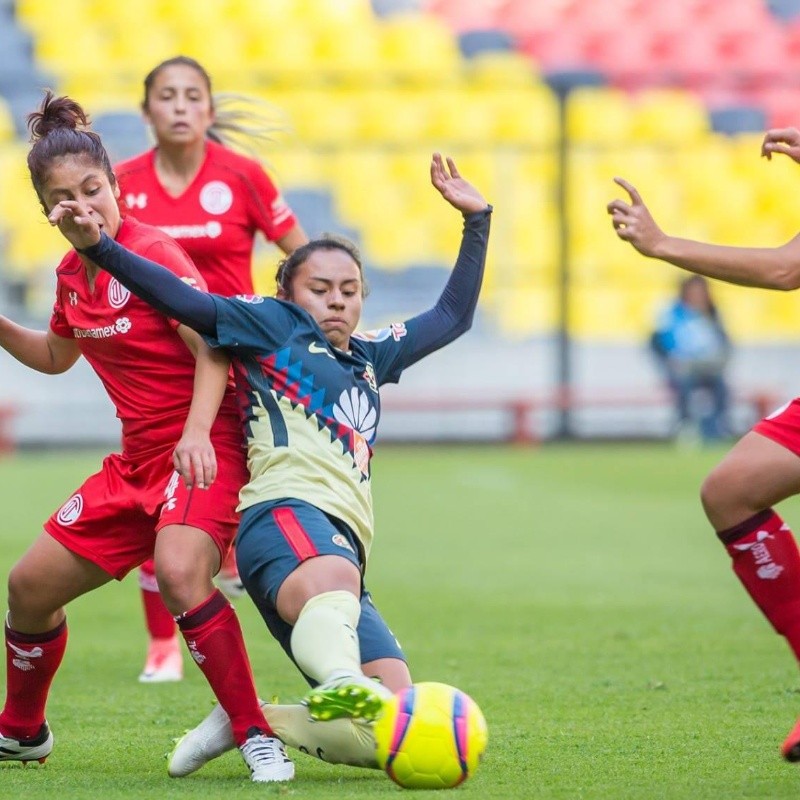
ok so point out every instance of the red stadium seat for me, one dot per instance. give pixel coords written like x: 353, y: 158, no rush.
x: 782, y: 106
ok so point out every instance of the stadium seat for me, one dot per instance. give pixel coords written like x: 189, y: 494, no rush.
x: 786, y: 10
x: 781, y: 106
x: 740, y: 119
x: 396, y: 116
x: 669, y: 115
x: 502, y: 70
x: 599, y: 115
x: 420, y: 49
x: 351, y: 54
x: 525, y: 117
x: 465, y: 15
x: 474, y: 42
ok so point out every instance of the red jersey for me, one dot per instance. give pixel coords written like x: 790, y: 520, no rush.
x: 216, y: 218
x: 144, y: 365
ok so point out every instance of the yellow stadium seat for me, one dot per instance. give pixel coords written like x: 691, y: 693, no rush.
x: 502, y: 69
x: 458, y: 116
x: 398, y: 116
x: 524, y: 116
x: 322, y: 117
x: 421, y: 49
x: 599, y: 116
x: 351, y: 54
x: 672, y: 116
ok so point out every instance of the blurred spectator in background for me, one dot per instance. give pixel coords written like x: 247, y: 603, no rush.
x: 693, y: 349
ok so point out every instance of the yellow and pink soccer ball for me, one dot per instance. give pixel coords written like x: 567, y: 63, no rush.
x: 430, y: 736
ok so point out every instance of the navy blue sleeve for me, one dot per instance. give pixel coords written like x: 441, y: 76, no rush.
x: 455, y: 309
x: 406, y: 343
x: 156, y: 285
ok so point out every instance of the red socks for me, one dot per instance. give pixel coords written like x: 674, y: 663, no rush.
x: 32, y: 660
x: 767, y: 562
x: 216, y: 644
x: 160, y: 623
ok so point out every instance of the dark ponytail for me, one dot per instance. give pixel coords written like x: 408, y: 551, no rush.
x: 60, y: 127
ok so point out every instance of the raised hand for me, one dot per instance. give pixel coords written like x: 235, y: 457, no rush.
x: 633, y: 222
x: 458, y: 192
x: 782, y: 140
x: 76, y: 222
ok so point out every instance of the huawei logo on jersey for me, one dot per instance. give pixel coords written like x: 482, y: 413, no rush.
x: 118, y: 295
x: 216, y: 197
x: 136, y: 200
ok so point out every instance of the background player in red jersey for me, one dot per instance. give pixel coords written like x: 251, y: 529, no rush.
x: 136, y: 504
x: 763, y: 468
x: 213, y: 201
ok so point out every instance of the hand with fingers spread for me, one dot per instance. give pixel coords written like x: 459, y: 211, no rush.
x: 633, y: 222
x: 76, y: 222
x: 459, y: 192
x: 195, y: 460
x: 781, y: 140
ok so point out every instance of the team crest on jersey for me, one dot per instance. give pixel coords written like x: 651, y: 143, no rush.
x: 355, y: 411
x: 71, y: 510
x: 118, y: 295
x: 396, y: 331
x: 216, y: 197
x: 253, y: 299
x: 369, y: 377
x: 136, y: 200
x: 340, y: 540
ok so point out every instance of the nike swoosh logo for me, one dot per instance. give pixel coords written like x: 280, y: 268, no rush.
x: 315, y: 348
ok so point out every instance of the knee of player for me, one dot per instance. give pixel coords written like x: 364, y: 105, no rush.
x: 24, y: 589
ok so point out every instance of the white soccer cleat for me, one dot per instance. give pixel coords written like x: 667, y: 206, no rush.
x: 266, y: 758
x: 36, y: 749
x: 164, y: 661
x: 351, y: 695
x: 206, y: 741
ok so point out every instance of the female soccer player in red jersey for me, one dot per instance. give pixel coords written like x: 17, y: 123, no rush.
x: 136, y: 505
x: 763, y: 468
x: 213, y: 201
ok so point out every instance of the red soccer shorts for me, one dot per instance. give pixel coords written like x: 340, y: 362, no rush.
x: 783, y: 426
x: 113, y: 518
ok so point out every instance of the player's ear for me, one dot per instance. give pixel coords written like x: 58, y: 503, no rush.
x: 117, y: 192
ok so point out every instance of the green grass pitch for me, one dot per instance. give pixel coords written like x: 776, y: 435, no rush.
x: 577, y: 593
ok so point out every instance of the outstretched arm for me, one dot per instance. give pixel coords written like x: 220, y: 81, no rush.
x: 764, y: 267
x: 454, y: 311
x: 43, y: 351
x: 153, y: 283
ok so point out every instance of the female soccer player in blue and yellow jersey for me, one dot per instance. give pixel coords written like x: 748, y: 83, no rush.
x: 309, y: 388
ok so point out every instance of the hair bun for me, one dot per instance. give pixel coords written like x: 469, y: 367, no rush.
x: 54, y: 113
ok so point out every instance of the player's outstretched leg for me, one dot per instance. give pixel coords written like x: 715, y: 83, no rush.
x: 35, y: 749
x: 344, y: 741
